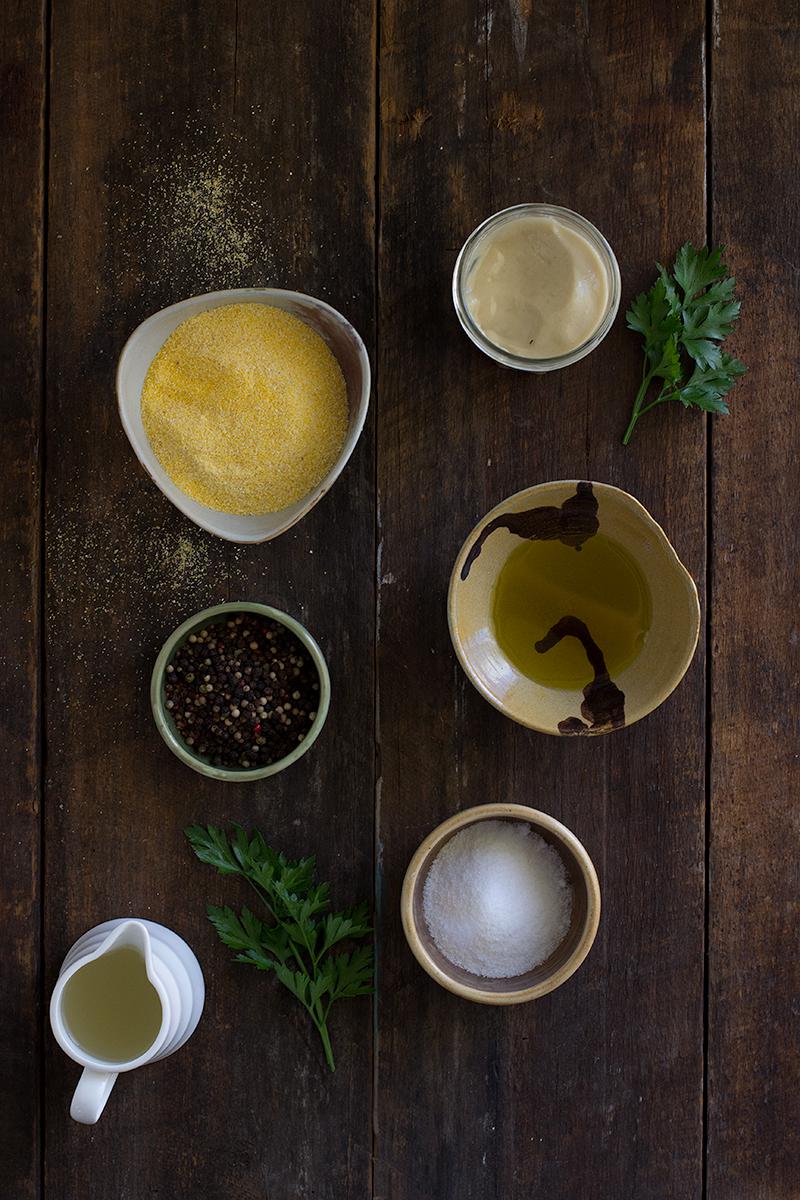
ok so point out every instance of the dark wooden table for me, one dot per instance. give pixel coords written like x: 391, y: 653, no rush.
x: 354, y: 147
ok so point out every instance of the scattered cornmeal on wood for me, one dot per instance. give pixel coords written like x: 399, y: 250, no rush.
x: 245, y: 407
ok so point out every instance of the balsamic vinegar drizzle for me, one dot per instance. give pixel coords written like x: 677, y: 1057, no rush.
x: 573, y: 523
x: 604, y: 704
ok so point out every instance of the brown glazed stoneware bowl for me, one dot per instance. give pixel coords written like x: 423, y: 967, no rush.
x: 564, y: 960
x: 573, y: 511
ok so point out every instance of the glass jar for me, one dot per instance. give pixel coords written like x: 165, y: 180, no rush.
x: 471, y: 253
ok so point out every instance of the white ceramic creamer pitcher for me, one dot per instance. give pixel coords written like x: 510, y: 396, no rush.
x: 173, y: 971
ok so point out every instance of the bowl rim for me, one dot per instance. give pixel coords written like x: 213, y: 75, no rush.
x: 177, y: 746
x: 505, y: 357
x: 536, y: 818
x: 251, y: 295
x: 651, y: 523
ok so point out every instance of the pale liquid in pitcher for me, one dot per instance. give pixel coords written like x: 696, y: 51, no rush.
x: 111, y: 1008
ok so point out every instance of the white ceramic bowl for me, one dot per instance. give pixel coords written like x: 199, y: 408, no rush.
x: 145, y: 342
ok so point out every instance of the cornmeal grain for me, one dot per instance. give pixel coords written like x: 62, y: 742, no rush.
x: 245, y: 408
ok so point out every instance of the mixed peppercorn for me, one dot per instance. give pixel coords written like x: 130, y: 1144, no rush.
x: 242, y: 692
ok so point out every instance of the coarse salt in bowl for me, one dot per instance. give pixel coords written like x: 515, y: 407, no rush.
x: 146, y: 341
x: 560, y: 963
x: 496, y: 899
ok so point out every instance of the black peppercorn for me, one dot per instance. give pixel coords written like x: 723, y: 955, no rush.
x: 224, y: 718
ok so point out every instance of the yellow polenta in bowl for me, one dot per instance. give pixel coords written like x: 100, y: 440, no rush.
x: 244, y: 406
x: 570, y: 611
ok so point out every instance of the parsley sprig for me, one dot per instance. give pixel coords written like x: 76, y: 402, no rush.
x: 683, y: 319
x: 298, y: 943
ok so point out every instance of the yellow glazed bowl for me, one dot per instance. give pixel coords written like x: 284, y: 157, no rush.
x: 565, y: 959
x: 573, y: 511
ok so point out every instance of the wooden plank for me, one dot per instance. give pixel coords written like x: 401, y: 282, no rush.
x: 197, y: 146
x: 22, y: 119
x: 754, y: 973
x: 595, y: 1090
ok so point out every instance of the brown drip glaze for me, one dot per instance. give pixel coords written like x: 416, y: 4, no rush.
x: 573, y: 524
x: 604, y: 704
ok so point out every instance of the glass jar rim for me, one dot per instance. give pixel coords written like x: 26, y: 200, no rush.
x: 506, y: 357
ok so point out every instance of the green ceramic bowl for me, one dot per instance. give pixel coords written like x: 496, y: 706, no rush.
x: 166, y: 726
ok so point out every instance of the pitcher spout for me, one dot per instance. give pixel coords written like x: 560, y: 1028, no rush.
x: 131, y: 934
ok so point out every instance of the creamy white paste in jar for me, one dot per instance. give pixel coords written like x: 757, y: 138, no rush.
x: 538, y: 288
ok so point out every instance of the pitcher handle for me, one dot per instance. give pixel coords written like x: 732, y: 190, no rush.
x: 94, y: 1088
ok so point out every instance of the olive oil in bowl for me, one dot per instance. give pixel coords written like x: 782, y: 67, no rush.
x: 111, y: 1008
x: 598, y: 586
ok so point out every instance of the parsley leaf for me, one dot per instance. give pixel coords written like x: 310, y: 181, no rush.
x: 695, y: 270
x: 352, y: 974
x: 211, y: 846
x: 652, y: 315
x: 706, y: 388
x: 296, y: 943
x: 683, y: 319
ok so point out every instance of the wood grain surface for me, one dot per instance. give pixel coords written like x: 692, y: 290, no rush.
x: 160, y: 149
x: 754, y: 878
x: 22, y: 138
x: 156, y: 111
x: 595, y: 1090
